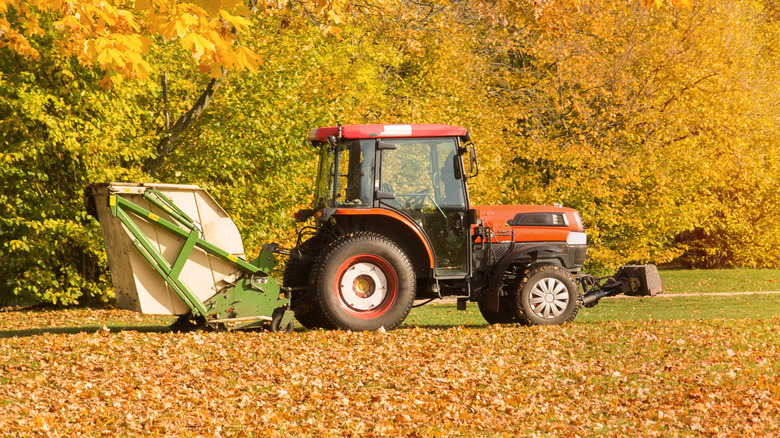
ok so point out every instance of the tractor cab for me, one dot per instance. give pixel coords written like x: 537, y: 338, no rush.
x: 412, y: 176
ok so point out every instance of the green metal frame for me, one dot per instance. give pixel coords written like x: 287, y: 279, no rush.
x: 254, y: 298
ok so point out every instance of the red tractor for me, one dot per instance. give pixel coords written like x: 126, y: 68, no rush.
x: 393, y: 223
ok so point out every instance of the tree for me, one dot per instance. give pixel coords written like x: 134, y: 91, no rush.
x: 637, y: 113
x: 640, y: 118
x: 69, y: 117
x: 115, y: 37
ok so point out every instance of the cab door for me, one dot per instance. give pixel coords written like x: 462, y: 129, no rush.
x: 422, y: 179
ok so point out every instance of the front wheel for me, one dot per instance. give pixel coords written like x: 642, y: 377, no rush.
x: 547, y: 295
x: 276, y: 324
x: 505, y: 313
x: 365, y: 282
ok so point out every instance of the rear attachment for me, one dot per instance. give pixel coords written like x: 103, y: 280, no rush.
x: 173, y: 250
x: 634, y: 280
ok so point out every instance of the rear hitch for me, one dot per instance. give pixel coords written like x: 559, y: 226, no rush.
x: 634, y: 280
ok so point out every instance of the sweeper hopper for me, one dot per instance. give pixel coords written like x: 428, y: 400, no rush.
x: 172, y: 250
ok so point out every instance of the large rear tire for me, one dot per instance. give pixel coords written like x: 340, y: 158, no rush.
x: 364, y: 281
x: 547, y: 295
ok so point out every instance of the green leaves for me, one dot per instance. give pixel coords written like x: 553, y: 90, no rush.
x: 59, y: 132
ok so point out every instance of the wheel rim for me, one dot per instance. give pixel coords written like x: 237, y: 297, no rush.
x: 549, y: 298
x: 366, y: 286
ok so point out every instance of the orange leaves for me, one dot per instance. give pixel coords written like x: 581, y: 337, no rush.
x: 715, y: 377
x: 119, y: 55
x: 104, y: 33
x: 16, y: 41
x: 116, y: 40
x: 234, y: 20
x: 208, y: 30
x: 248, y: 58
x: 662, y: 3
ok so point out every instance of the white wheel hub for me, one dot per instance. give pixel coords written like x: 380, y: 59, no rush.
x: 363, y: 286
x: 549, y: 298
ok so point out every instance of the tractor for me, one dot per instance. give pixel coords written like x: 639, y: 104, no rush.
x: 393, y: 223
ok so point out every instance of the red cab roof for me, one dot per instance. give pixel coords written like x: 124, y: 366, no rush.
x: 386, y: 131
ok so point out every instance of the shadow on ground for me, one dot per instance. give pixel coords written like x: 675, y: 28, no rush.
x: 4, y: 334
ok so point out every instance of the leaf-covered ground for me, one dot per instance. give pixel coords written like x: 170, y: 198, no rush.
x: 646, y: 378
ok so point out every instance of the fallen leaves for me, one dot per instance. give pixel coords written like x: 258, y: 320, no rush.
x: 661, y: 378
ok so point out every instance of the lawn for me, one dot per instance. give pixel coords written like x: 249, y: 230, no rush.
x: 664, y: 366
x: 720, y: 280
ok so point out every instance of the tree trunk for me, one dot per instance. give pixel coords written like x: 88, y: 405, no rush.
x: 169, y: 142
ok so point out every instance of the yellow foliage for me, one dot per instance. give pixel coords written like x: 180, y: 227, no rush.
x: 95, y: 30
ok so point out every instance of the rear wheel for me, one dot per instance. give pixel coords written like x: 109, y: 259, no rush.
x: 547, y: 295
x: 365, y: 282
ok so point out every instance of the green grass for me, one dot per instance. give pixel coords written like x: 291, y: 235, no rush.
x: 662, y: 307
x: 720, y: 280
x: 670, y: 307
x: 752, y: 306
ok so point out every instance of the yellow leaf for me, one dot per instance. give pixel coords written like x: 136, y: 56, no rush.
x: 197, y: 44
x: 68, y: 22
x: 216, y: 70
x: 248, y: 59
x: 335, y: 16
x: 143, y: 5
x: 333, y: 30
x: 234, y: 20
x: 129, y: 19
x: 102, y: 58
x: 116, y: 57
x: 211, y: 7
x: 189, y: 20
x: 175, y: 28
x: 220, y: 45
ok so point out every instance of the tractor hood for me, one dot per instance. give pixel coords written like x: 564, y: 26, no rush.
x: 533, y: 223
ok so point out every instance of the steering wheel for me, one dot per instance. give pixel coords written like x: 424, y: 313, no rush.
x: 417, y: 199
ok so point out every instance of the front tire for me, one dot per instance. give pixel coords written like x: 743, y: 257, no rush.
x: 276, y: 324
x: 365, y: 282
x: 547, y: 295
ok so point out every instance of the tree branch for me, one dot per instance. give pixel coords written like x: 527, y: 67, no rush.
x: 168, y: 143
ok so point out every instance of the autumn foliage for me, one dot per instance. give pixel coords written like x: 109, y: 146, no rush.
x: 656, y: 119
x: 630, y: 378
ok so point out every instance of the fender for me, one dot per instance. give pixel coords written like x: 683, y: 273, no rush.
x: 497, y: 277
x: 405, y: 221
